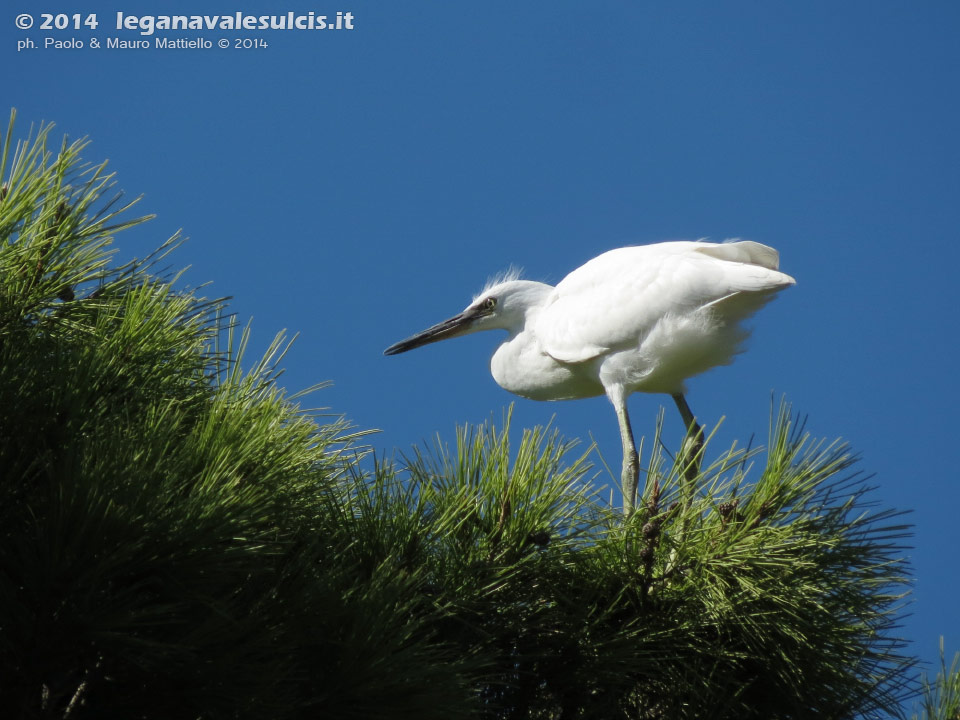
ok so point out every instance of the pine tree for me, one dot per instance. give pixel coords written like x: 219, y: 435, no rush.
x: 181, y: 540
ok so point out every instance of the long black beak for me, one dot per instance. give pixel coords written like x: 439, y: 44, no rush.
x: 441, y: 331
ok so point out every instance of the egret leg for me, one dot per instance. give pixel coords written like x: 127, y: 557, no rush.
x: 693, y: 443
x: 629, y: 475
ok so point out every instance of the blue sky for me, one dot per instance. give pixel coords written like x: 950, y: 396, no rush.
x: 357, y: 186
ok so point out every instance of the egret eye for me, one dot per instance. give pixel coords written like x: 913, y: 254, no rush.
x: 490, y: 303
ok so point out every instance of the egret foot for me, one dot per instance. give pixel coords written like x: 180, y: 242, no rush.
x: 692, y: 449
x: 629, y: 480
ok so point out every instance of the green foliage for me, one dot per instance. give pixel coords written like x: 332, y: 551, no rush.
x: 785, y: 590
x: 941, y: 699
x: 181, y: 540
x: 149, y: 492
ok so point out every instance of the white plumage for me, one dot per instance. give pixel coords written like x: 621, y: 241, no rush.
x: 635, y: 319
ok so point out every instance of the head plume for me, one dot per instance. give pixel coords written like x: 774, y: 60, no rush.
x: 511, y: 273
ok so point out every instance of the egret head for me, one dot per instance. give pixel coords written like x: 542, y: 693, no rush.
x: 504, y: 305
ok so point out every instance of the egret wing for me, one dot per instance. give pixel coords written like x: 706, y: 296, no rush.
x: 742, y: 251
x: 613, y: 301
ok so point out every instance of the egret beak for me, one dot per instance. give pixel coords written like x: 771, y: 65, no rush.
x: 457, y: 325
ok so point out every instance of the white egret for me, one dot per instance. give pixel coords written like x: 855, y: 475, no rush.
x: 635, y: 319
